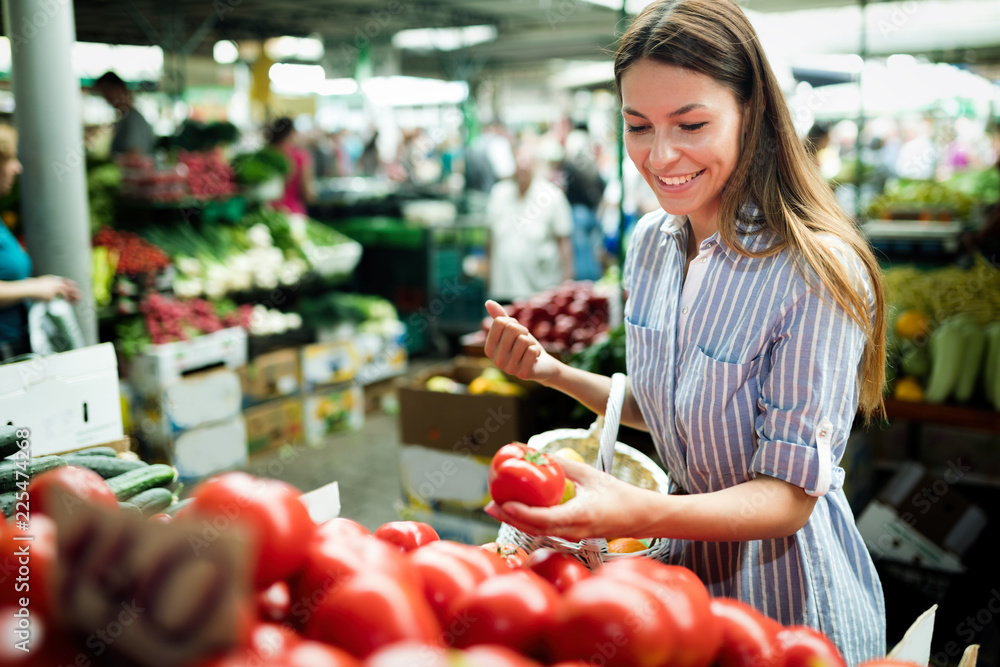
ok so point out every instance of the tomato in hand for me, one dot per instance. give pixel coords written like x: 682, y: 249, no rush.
x: 372, y: 610
x: 80, y: 483
x: 517, y: 610
x: 622, y: 622
x: 559, y: 569
x: 407, y: 535
x: 807, y: 647
x: 686, y: 605
x: 518, y: 472
x: 749, y: 639
x: 511, y: 554
x: 271, y: 512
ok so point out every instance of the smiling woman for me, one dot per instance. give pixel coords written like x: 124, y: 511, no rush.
x: 754, y: 333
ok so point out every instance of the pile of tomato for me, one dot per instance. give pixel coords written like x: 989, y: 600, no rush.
x: 135, y: 255
x: 337, y: 595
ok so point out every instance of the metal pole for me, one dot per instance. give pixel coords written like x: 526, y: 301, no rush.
x: 858, y: 143
x: 53, y: 185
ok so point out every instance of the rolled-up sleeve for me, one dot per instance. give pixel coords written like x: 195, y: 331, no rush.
x: 809, y: 396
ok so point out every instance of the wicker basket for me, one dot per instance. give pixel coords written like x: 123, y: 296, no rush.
x: 599, y: 447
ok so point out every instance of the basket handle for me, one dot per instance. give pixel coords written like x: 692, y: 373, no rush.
x: 612, y: 419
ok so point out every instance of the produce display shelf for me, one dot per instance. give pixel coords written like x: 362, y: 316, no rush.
x: 947, y: 233
x: 950, y: 415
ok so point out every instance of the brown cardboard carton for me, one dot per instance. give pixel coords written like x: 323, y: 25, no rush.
x: 271, y: 375
x: 274, y: 424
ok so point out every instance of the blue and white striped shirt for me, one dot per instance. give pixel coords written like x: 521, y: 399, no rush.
x: 743, y: 369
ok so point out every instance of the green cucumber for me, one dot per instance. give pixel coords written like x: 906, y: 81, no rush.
x: 947, y: 347
x: 95, y: 451
x: 136, y: 481
x: 129, y: 508
x: 152, y: 500
x: 7, y: 503
x: 992, y: 363
x: 178, y: 506
x: 972, y: 361
x: 105, y: 466
x: 8, y: 441
x: 11, y: 471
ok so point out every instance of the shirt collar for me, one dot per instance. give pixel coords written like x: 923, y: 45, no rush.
x: 752, y: 234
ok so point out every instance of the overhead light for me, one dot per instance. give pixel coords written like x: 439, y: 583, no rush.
x: 338, y: 87
x: 225, y: 52
x: 296, y: 79
x: 443, y: 39
x: 413, y: 91
x: 309, y: 49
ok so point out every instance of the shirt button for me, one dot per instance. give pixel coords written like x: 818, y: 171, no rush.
x: 704, y: 259
x: 684, y: 310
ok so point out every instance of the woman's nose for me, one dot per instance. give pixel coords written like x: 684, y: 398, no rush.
x: 16, y: 167
x: 663, y: 152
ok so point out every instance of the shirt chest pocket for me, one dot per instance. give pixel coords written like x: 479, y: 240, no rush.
x: 716, y: 409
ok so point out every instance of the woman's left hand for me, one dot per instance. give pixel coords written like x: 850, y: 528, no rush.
x: 603, y: 507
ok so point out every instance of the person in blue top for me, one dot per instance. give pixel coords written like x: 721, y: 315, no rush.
x: 755, y: 332
x: 16, y: 285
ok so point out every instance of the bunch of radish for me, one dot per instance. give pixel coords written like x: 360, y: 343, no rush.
x: 208, y: 176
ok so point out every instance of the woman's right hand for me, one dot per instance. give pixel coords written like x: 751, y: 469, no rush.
x: 514, y: 350
x: 46, y: 288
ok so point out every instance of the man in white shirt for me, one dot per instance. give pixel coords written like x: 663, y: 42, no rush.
x: 530, y: 224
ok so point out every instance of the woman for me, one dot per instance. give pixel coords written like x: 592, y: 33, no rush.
x: 15, y: 267
x: 300, y: 185
x: 755, y: 331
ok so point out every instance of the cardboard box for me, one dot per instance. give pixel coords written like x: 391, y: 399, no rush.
x: 333, y: 410
x: 462, y: 423
x: 330, y: 363
x: 121, y: 445
x: 206, y: 450
x: 68, y: 401
x: 274, y: 424
x: 194, y: 400
x: 159, y: 366
x: 922, y: 520
x: 270, y: 376
x: 437, y: 480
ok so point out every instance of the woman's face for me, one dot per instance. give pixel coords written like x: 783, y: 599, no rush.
x: 682, y: 131
x: 9, y: 169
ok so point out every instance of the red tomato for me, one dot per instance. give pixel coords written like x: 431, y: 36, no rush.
x: 161, y: 517
x: 340, y: 528
x: 520, y: 473
x: 81, y: 483
x: 412, y: 654
x: 42, y: 553
x: 686, y: 604
x: 559, y: 569
x: 372, y: 610
x: 517, y: 610
x: 314, y: 654
x: 621, y: 623
x: 493, y: 656
x: 271, y: 639
x: 407, y: 535
x: 806, y: 647
x: 512, y: 554
x: 445, y: 577
x: 486, y: 563
x: 331, y: 562
x: 749, y: 639
x: 274, y: 603
x: 269, y: 510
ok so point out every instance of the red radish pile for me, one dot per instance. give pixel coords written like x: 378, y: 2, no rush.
x: 135, y: 255
x: 208, y: 175
x: 567, y: 318
x: 169, y: 320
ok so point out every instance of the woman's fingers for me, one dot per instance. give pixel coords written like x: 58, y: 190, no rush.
x: 495, y: 310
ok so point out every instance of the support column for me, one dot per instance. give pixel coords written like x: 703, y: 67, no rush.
x: 50, y: 128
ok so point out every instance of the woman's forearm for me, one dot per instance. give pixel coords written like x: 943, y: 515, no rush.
x: 763, y: 508
x: 592, y: 390
x: 13, y: 292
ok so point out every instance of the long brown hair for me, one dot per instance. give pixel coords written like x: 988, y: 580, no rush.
x: 714, y: 38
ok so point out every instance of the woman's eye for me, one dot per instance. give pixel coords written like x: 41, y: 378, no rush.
x: 693, y: 127
x: 636, y: 128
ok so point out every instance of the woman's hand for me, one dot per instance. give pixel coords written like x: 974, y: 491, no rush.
x: 603, y: 507
x: 46, y: 288
x: 514, y: 350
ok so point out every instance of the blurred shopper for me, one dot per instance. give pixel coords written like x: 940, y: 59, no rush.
x: 16, y: 287
x: 132, y: 133
x: 755, y: 332
x: 300, y: 185
x: 584, y: 191
x: 817, y: 139
x: 368, y: 163
x: 490, y: 159
x: 530, y: 223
